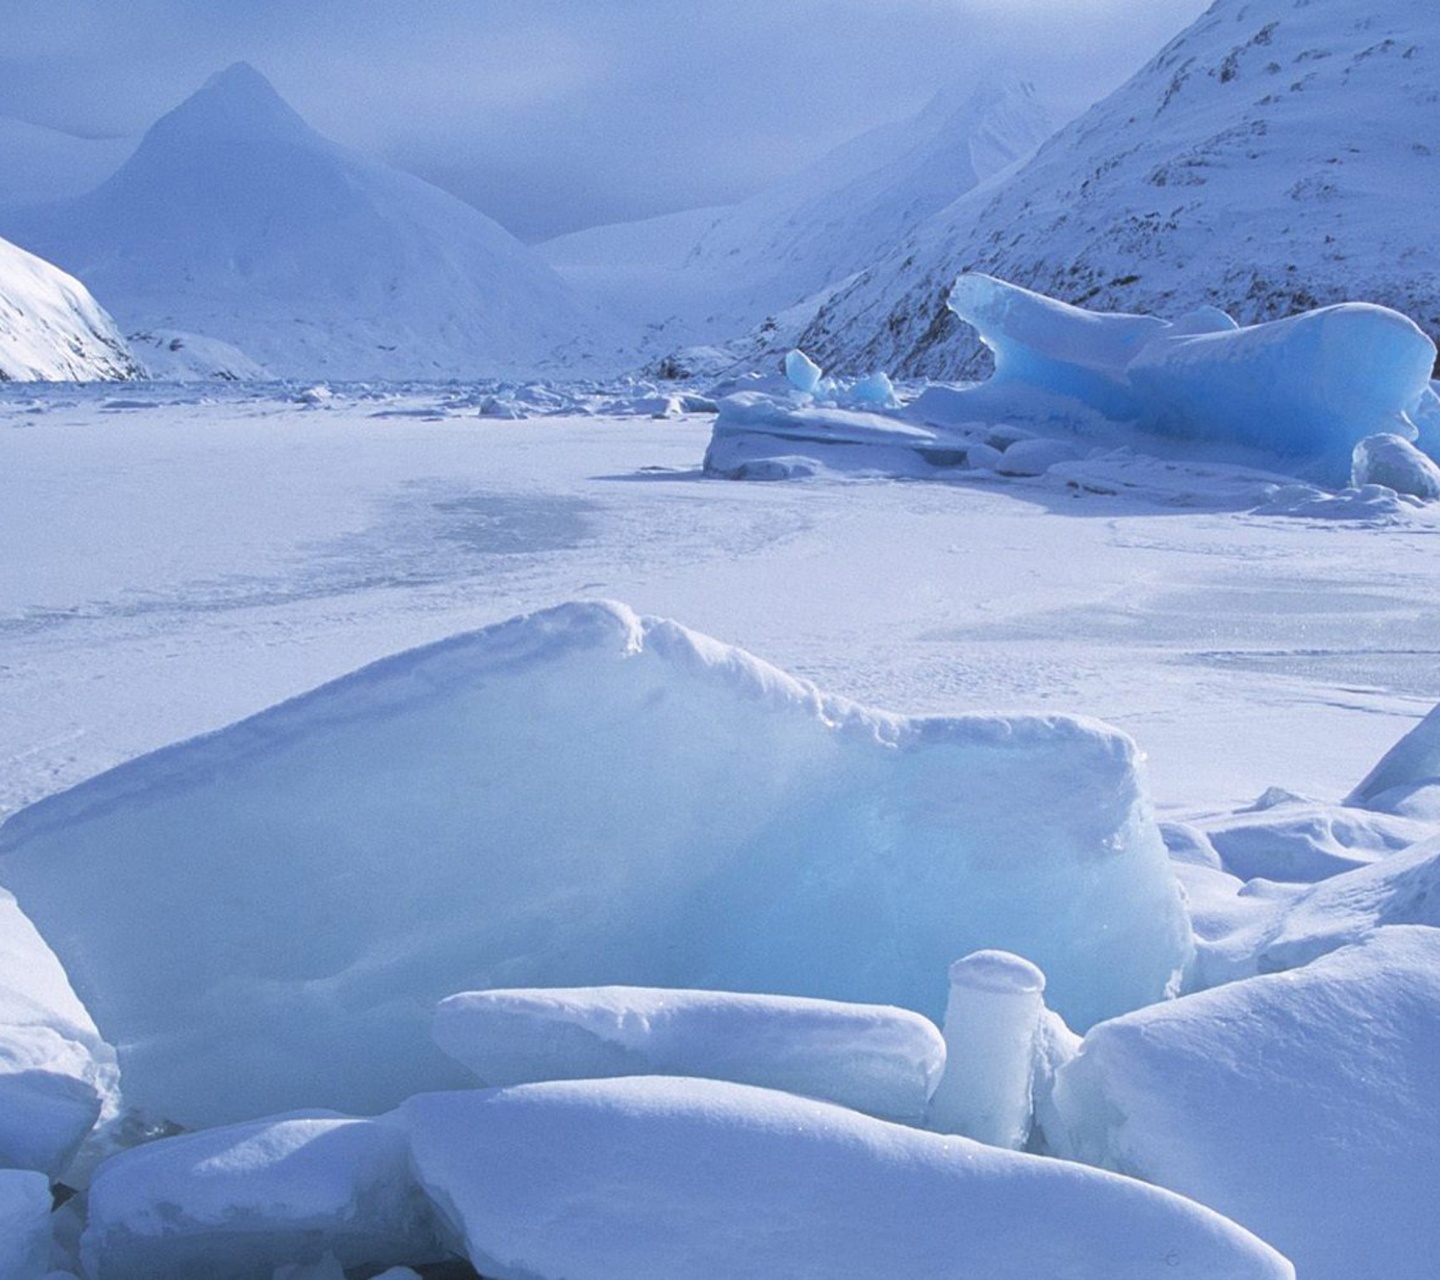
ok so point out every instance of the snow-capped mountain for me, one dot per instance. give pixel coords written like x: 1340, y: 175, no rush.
x: 236, y: 221
x: 1277, y: 155
x: 51, y: 329
x: 704, y: 274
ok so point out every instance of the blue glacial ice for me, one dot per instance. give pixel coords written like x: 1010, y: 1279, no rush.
x: 264, y: 918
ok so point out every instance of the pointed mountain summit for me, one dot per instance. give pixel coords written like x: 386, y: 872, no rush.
x: 237, y: 221
x: 1276, y: 156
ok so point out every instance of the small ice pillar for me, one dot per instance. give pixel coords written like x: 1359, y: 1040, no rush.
x: 991, y: 1021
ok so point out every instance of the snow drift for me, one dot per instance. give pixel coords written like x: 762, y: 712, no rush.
x: 236, y: 221
x: 660, y: 1179
x: 263, y: 918
x: 51, y: 329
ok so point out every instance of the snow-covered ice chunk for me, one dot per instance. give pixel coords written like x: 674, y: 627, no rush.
x: 1305, y: 1105
x: 652, y: 1178
x: 883, y: 1061
x: 803, y: 373
x: 56, y: 1073
x: 1392, y: 461
x: 244, y: 1200
x: 1304, y: 390
x: 1405, y: 773
x: 992, y: 1022
x: 24, y: 1225
x: 576, y: 797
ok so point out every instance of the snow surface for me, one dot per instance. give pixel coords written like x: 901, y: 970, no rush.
x: 883, y: 1061
x: 1300, y: 1104
x: 1269, y: 160
x: 572, y: 779
x: 241, y: 1201
x: 51, y: 329
x: 658, y: 1179
x: 236, y: 221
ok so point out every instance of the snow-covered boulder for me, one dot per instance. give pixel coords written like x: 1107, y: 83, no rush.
x: 1305, y: 1105
x: 51, y: 329
x: 56, y: 1073
x: 236, y: 1203
x: 659, y: 1179
x: 265, y: 917
x: 879, y: 1060
x: 24, y: 1225
x: 1392, y: 461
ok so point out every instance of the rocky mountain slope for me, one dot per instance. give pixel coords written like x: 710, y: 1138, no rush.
x: 1277, y: 155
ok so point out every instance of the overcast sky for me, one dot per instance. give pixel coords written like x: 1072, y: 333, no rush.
x: 552, y: 115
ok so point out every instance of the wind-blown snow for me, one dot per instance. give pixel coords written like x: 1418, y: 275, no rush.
x: 1269, y: 160
x: 236, y: 221
x: 660, y: 1179
x: 1300, y: 1104
x: 559, y: 801
x: 882, y: 1061
x: 51, y: 329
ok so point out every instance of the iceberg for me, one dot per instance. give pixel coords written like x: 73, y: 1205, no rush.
x: 1304, y: 390
x: 652, y: 1178
x: 238, y: 1202
x: 264, y: 918
x: 882, y: 1061
x: 1301, y: 1104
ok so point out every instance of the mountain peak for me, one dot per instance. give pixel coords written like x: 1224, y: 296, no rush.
x: 236, y: 102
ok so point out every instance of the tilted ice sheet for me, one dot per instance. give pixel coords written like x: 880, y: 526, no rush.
x: 264, y: 918
x: 1302, y: 1104
x: 877, y: 1059
x: 660, y: 1179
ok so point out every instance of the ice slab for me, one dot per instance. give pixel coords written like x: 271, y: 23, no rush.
x: 56, y: 1073
x: 1302, y: 1104
x: 659, y: 1179
x: 879, y: 1060
x: 264, y: 918
x: 238, y: 1202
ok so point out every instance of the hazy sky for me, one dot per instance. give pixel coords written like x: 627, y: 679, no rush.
x: 556, y: 114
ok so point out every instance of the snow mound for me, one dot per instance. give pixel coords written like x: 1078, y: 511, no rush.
x: 1395, y: 463
x: 1268, y: 161
x: 56, y: 1074
x: 236, y: 221
x: 51, y: 329
x: 659, y: 1179
x: 1407, y: 778
x: 882, y: 1061
x: 575, y: 797
x: 237, y: 1202
x: 1300, y: 1104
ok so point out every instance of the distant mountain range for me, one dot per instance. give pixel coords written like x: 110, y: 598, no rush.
x: 705, y: 275
x: 236, y: 222
x: 1276, y: 156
